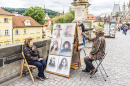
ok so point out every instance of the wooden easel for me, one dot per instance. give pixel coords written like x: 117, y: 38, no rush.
x: 76, y: 65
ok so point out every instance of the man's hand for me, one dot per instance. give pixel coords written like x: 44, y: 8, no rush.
x: 84, y: 34
x: 40, y: 59
x: 90, y: 55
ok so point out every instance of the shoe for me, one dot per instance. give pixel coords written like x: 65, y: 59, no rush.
x: 85, y: 71
x: 41, y: 78
x: 45, y: 77
x: 93, y: 72
x: 37, y: 77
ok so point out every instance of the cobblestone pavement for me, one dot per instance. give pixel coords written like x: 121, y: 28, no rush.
x: 117, y: 65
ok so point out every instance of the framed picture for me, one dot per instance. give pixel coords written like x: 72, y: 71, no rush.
x: 52, y: 63
x: 66, y: 47
x: 79, y: 30
x: 64, y: 65
x: 55, y: 46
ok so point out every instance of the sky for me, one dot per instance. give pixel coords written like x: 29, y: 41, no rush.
x: 96, y: 8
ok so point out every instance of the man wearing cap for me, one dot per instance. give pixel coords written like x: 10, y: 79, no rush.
x: 57, y: 31
x: 98, y: 50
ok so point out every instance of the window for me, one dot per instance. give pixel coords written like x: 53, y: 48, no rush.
x: 6, y: 43
x: 25, y: 31
x: 16, y: 32
x: 6, y: 32
x: 0, y: 32
x: 5, y: 19
x: 31, y: 31
x: 38, y: 30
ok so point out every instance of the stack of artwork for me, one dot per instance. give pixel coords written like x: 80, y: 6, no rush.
x: 106, y: 30
x: 112, y: 30
x: 61, y: 48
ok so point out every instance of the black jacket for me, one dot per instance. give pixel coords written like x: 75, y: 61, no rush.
x: 83, y: 27
x: 31, y: 55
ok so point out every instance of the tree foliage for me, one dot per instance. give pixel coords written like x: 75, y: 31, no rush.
x: 67, y: 18
x: 36, y: 13
x: 51, y: 13
x: 19, y: 10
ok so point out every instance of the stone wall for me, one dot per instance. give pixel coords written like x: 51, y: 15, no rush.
x: 11, y: 58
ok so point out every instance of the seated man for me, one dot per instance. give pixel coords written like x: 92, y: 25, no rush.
x: 97, y: 52
x: 34, y: 58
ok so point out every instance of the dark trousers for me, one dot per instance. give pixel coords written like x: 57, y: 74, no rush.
x: 41, y: 66
x: 88, y: 62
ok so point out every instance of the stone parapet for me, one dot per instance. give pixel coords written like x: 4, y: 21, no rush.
x: 11, y: 58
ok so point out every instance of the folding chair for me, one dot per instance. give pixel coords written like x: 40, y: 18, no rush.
x: 25, y: 64
x: 100, y: 63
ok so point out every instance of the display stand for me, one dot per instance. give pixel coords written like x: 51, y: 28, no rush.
x: 71, y: 64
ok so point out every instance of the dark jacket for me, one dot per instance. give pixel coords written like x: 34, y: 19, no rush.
x: 98, y: 47
x: 31, y: 55
x: 83, y: 27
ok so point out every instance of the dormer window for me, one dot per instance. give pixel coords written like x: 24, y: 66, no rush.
x: 27, y: 22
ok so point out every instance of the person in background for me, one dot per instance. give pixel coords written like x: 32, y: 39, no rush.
x: 34, y: 58
x: 125, y: 28
x: 80, y: 23
x: 98, y: 50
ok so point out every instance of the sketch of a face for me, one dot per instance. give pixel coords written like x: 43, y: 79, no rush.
x: 54, y: 47
x: 66, y: 45
x: 63, y: 64
x: 52, y: 62
x: 57, y: 31
x: 68, y: 31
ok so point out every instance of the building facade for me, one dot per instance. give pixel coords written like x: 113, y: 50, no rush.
x: 14, y: 29
x: 5, y: 27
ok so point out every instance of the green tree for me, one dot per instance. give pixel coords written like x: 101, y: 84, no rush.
x: 36, y: 13
x: 67, y: 18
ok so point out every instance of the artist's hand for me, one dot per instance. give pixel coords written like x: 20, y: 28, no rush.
x: 90, y: 55
x: 40, y: 59
x: 83, y: 33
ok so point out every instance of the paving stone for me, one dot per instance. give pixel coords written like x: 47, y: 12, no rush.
x: 116, y: 64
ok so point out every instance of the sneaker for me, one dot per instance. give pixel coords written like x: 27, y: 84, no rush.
x: 45, y: 77
x: 37, y: 77
x: 41, y: 78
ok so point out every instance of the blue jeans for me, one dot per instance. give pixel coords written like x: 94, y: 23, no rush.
x: 83, y: 40
x: 41, y: 66
x: 125, y: 31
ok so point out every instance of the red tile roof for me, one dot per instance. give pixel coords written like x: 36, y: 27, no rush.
x: 18, y: 21
x: 46, y: 24
x: 57, y: 15
x: 3, y: 12
x: 91, y: 17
